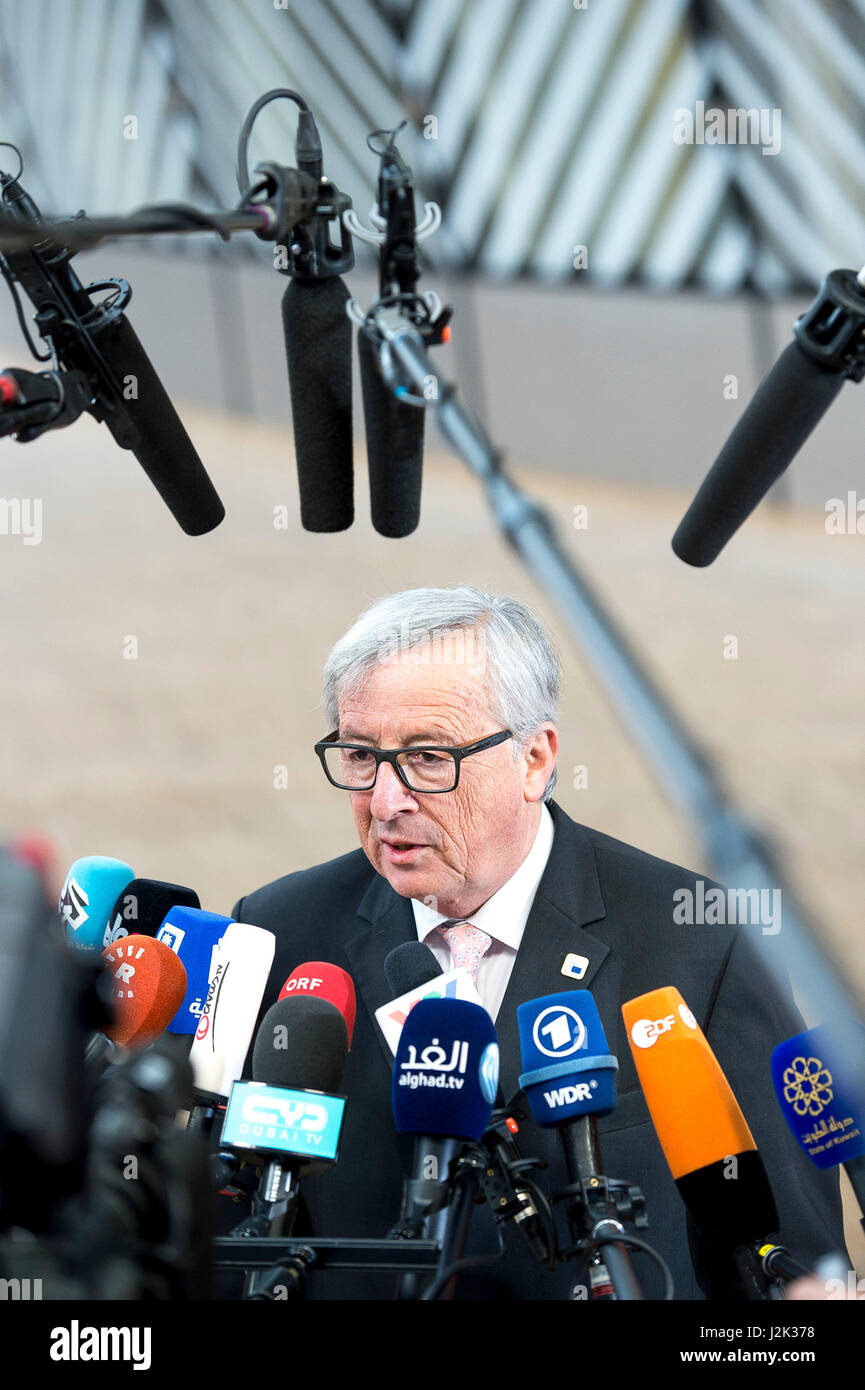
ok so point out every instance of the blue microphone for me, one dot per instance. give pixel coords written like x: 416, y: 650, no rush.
x: 192, y: 934
x: 820, y: 1105
x: 87, y: 898
x: 445, y: 1082
x: 568, y: 1069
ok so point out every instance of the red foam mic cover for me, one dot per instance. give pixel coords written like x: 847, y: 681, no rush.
x: 327, y: 981
x: 148, y: 984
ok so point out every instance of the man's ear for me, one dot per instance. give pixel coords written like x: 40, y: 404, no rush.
x: 540, y: 751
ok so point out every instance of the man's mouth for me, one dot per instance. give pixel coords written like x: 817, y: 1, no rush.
x: 403, y: 851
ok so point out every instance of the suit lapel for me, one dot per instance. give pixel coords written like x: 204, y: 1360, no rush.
x: 391, y: 922
x: 568, y: 897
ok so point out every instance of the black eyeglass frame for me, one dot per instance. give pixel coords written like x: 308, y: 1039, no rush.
x: 390, y: 755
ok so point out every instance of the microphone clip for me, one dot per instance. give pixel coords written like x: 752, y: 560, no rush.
x: 832, y: 330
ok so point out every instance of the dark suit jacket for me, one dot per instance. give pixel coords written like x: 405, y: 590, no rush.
x: 613, y: 904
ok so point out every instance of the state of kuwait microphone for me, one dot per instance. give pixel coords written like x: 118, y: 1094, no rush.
x: 821, y: 1108
x: 93, y: 885
x: 698, y: 1122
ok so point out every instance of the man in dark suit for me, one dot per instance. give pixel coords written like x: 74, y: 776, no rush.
x: 444, y: 707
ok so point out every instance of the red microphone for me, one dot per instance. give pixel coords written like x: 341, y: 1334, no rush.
x: 148, y: 985
x: 329, y: 982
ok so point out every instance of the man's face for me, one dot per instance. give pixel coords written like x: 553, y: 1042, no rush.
x: 457, y: 848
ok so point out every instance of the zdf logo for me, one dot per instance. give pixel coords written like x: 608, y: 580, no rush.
x: 646, y: 1031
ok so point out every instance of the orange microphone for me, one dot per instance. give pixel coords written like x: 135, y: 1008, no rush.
x: 148, y: 983
x: 704, y: 1135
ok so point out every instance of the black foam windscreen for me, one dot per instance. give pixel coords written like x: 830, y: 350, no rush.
x: 409, y: 966
x: 731, y: 1207
x: 318, y: 352
x: 394, y: 445
x: 142, y: 905
x: 788, y: 404
x: 158, y: 441
x: 301, y: 1045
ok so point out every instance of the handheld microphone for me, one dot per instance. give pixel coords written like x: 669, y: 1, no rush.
x: 413, y: 965
x: 142, y: 905
x: 289, y: 1113
x: 410, y: 966
x: 194, y: 936
x: 148, y: 982
x: 821, y: 1107
x: 702, y: 1131
x: 321, y: 980
x: 241, y: 965
x: 445, y: 1080
x: 92, y: 887
x: 788, y: 405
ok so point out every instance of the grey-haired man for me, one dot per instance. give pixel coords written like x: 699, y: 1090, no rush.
x: 442, y: 705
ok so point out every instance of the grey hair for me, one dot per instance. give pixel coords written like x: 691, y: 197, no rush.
x: 521, y: 663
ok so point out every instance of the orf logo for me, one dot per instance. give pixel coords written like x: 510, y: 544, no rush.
x: 558, y: 1031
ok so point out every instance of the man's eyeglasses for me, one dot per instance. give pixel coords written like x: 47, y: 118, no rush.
x: 423, y: 768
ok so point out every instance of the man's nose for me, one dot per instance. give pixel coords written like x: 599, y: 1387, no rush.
x: 390, y: 796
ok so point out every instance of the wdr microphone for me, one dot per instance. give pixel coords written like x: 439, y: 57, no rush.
x: 89, y: 893
x: 320, y: 980
x: 788, y: 405
x: 698, y: 1122
x: 142, y: 905
x: 568, y: 1070
x: 148, y: 982
x: 825, y: 1117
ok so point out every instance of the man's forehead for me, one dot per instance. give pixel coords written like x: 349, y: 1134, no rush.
x: 405, y: 689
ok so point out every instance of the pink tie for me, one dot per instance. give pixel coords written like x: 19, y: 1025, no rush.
x: 467, y: 944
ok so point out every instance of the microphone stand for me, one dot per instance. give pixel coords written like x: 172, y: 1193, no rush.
x: 594, y: 1210
x: 742, y: 857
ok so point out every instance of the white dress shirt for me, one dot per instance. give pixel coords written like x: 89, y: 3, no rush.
x: 503, y: 917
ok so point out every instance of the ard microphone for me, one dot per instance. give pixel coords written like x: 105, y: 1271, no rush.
x: 788, y: 405
x: 87, y: 899
x: 148, y: 983
x: 142, y: 905
x: 702, y: 1131
x: 822, y: 1109
x: 320, y: 980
